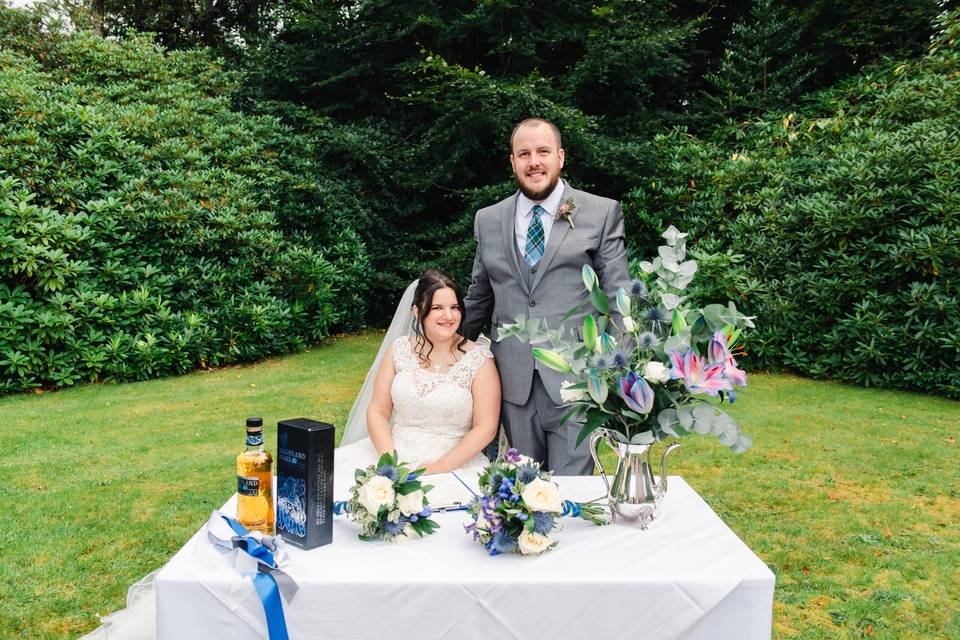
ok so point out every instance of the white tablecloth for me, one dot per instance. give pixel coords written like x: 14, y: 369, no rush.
x: 688, y: 577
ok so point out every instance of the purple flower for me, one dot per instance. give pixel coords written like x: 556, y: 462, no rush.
x: 512, y: 455
x: 636, y: 393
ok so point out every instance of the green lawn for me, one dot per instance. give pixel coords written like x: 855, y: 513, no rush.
x: 850, y: 495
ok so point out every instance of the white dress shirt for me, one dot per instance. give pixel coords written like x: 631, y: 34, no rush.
x: 524, y: 215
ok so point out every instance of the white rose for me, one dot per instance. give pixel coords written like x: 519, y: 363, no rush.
x: 570, y: 396
x: 532, y: 543
x: 540, y: 495
x: 411, y: 503
x: 656, y: 372
x: 629, y: 325
x: 375, y: 493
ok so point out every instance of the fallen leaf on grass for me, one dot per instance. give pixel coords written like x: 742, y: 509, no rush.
x: 806, y: 570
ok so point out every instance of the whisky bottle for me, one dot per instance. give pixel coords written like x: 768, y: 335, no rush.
x: 255, y: 482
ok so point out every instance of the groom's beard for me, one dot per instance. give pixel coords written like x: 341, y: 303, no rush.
x: 537, y: 196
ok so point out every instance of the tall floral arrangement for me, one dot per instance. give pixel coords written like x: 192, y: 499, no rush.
x: 650, y: 364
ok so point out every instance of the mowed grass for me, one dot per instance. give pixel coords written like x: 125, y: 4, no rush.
x: 850, y: 495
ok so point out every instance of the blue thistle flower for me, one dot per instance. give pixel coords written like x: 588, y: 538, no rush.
x: 392, y: 528
x: 655, y: 314
x: 526, y: 473
x: 388, y: 471
x: 620, y: 359
x: 647, y: 340
x: 543, y: 522
x: 638, y: 289
x: 600, y: 363
x: 501, y: 542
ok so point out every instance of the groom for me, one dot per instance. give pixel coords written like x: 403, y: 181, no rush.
x: 531, y: 249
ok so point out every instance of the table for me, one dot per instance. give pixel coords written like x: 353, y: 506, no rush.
x: 688, y: 577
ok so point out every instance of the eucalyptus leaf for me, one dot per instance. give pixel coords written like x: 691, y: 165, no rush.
x: 644, y: 437
x: 670, y: 301
x: 685, y: 416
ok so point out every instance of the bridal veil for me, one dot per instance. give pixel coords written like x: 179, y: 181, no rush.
x: 401, y: 325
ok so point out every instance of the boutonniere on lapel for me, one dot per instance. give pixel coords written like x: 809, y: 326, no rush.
x: 565, y: 211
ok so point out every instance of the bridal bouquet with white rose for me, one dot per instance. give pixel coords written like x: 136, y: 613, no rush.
x: 658, y: 367
x: 519, y: 505
x: 389, y: 502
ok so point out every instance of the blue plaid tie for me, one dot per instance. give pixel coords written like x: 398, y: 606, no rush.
x: 536, y: 243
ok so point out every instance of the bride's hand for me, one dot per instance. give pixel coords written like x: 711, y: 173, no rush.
x: 430, y: 467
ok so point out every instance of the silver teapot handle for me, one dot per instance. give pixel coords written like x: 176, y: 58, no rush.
x: 595, y: 438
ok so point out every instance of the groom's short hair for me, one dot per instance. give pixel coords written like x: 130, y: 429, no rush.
x: 556, y: 130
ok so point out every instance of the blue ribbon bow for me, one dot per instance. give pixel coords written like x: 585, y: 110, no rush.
x: 264, y: 582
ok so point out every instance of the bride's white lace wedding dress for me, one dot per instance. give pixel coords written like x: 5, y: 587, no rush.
x: 432, y: 411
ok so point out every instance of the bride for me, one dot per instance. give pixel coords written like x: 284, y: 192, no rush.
x: 431, y: 394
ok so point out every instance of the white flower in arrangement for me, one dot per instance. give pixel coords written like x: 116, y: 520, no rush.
x: 630, y: 325
x: 532, y: 543
x: 411, y: 503
x: 375, y: 493
x: 655, y: 372
x: 567, y: 395
x: 540, y: 495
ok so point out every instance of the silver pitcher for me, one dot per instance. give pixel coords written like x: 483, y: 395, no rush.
x: 632, y: 494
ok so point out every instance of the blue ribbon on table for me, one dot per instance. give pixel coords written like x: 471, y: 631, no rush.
x: 260, y: 549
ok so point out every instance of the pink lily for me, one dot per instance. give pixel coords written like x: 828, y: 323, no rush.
x: 696, y: 374
x: 720, y: 353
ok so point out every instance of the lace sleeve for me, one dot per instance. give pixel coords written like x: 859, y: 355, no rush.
x: 401, y: 354
x: 475, y: 359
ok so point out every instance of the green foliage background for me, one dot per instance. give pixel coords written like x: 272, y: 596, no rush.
x: 147, y: 227
x: 166, y: 208
x: 838, y: 228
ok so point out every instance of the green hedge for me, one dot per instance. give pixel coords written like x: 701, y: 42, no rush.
x: 839, y: 229
x: 146, y: 226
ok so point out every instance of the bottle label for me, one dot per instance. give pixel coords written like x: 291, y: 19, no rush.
x: 247, y: 486
x: 254, y: 439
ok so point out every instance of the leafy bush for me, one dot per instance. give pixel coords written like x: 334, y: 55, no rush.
x: 840, y: 228
x: 146, y: 226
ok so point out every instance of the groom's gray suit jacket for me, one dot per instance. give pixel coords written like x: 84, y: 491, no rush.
x: 499, y: 291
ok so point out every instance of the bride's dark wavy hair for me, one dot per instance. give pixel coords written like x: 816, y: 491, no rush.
x: 431, y: 281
